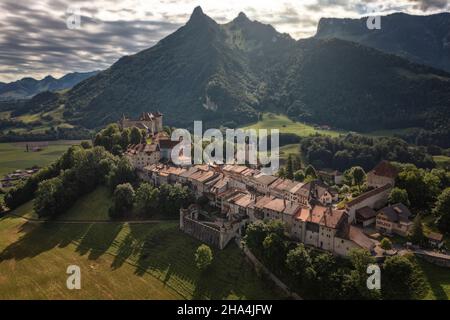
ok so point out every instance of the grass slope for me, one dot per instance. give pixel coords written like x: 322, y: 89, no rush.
x: 117, y: 261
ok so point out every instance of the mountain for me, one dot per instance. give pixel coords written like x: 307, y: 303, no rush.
x: 202, y: 71
x: 28, y: 87
x: 226, y: 74
x: 348, y: 85
x: 422, y: 39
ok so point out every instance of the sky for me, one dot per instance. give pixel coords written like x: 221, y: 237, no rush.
x: 42, y: 37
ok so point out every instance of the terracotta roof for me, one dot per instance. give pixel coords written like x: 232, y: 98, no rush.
x: 133, y: 149
x: 283, y: 185
x: 303, y: 189
x: 368, y: 194
x: 357, y: 236
x: 244, y: 201
x: 385, y: 169
x: 260, y: 202
x: 333, y: 218
x: 265, y: 179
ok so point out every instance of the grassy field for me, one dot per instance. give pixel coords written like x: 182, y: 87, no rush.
x: 117, y: 260
x: 13, y: 156
x: 438, y: 279
x: 442, y: 161
x: 285, y: 125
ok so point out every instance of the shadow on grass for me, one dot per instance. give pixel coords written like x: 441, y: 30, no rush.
x: 436, y: 277
x: 97, y: 239
x: 169, y: 254
x: 38, y: 238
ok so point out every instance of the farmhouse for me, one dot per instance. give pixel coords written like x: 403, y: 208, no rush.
x: 384, y: 173
x: 394, y: 219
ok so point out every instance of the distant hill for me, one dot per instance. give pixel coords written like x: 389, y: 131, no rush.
x: 422, y: 39
x: 28, y: 87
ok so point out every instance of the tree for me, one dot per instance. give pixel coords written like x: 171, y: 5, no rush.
x: 355, y: 284
x: 359, y: 175
x: 2, y: 205
x: 299, y: 175
x: 122, y: 173
x: 310, y: 172
x: 442, y: 211
x: 398, y: 195
x: 123, y: 200
x: 85, y: 144
x: 146, y: 200
x: 289, y: 168
x: 274, y: 249
x: 135, y: 136
x: 299, y: 261
x: 386, y: 244
x: 174, y: 197
x: 125, y: 138
x: 417, y: 236
x: 254, y: 236
x: 402, y: 279
x: 422, y: 187
x: 282, y: 173
x: 296, y: 163
x: 49, y: 197
x: 203, y: 257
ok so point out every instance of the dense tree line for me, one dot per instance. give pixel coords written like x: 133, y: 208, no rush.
x: 24, y: 191
x: 147, y: 201
x: 439, y: 137
x: 115, y: 140
x: 351, y: 150
x: 320, y: 275
x: 421, y: 185
x: 86, y: 169
x: 54, y: 133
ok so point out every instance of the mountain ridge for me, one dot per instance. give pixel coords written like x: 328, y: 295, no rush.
x: 423, y: 39
x: 227, y: 74
x: 27, y: 87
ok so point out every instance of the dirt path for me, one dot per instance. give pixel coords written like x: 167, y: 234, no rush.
x: 88, y: 221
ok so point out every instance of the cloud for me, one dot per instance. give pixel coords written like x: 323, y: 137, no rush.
x: 35, y: 41
x: 425, y: 5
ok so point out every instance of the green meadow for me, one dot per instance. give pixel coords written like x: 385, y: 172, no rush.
x: 13, y: 156
x: 286, y: 125
x: 117, y: 260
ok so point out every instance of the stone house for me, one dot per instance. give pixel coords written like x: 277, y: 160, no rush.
x: 383, y: 173
x: 142, y: 155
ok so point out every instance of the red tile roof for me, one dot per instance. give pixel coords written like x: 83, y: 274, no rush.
x: 385, y: 169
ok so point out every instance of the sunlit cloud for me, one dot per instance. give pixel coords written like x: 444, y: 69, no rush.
x: 35, y: 40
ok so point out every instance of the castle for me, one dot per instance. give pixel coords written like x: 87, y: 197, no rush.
x: 151, y: 122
